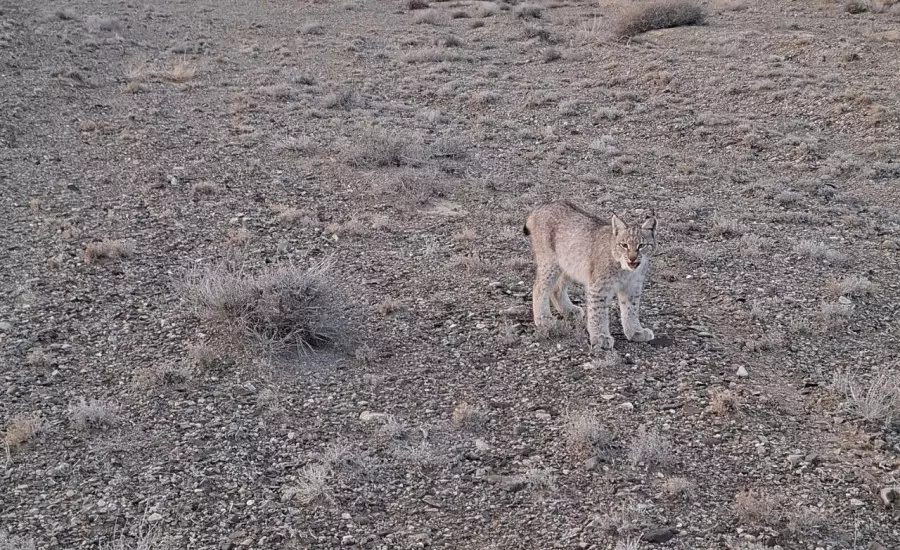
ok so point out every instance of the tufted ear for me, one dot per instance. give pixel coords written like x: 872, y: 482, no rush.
x: 649, y: 225
x: 618, y: 226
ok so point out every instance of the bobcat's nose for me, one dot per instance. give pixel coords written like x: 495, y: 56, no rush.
x: 633, y: 264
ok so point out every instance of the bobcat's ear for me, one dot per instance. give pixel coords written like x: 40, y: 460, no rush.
x: 618, y: 226
x: 649, y: 224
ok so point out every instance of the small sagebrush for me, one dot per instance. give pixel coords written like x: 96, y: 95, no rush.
x: 854, y: 285
x: 378, y: 147
x: 107, y: 249
x: 585, y: 433
x: 180, y: 71
x: 876, y: 401
x: 95, y: 413
x: 23, y: 428
x: 661, y: 14
x: 649, y: 447
x: 281, y: 308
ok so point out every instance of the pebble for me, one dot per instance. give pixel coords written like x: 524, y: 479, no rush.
x: 369, y: 416
x: 659, y: 535
x: 856, y: 502
x: 5, y: 326
x: 626, y: 406
x: 888, y: 244
x: 154, y: 517
x: 742, y: 372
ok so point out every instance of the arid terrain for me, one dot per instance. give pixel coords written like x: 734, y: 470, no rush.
x: 156, y: 156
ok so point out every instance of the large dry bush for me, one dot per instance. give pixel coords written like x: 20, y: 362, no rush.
x: 641, y: 17
x: 280, y: 309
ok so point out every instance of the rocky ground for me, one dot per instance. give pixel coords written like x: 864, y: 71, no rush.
x: 142, y: 141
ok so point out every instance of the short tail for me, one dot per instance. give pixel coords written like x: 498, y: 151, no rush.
x: 525, y: 229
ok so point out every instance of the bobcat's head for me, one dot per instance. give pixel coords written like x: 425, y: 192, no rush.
x: 633, y: 245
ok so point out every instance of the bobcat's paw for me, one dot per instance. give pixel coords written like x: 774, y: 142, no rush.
x: 602, y: 342
x: 642, y: 335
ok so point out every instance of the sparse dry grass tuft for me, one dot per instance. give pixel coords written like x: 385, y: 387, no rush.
x: 22, y: 428
x: 107, y: 249
x: 723, y: 402
x: 650, y: 448
x: 465, y: 415
x: 95, y: 413
x: 639, y: 18
x: 312, y: 485
x: 835, y: 315
x: 757, y: 508
x: 170, y: 373
x: 37, y: 358
x: 727, y: 227
x: 818, y: 251
x: 378, y: 147
x: 585, y: 433
x: 415, y: 186
x: 280, y: 309
x: 876, y: 401
x: 288, y: 215
x: 305, y: 146
x: 854, y: 285
x: 181, y: 71
x: 527, y: 11
x: 678, y: 487
x: 10, y: 542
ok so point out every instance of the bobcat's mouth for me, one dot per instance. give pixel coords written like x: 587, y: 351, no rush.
x: 632, y: 265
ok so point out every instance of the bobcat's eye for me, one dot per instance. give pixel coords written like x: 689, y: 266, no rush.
x: 642, y: 245
x: 624, y: 245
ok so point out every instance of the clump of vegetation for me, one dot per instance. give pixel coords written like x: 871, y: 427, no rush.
x: 280, y: 309
x: 661, y: 14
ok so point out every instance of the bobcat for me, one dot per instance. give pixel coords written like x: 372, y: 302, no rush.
x: 610, y: 260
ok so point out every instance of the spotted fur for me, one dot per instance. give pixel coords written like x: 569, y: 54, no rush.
x: 611, y: 260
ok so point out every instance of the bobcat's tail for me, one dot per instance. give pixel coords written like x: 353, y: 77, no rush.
x: 525, y: 229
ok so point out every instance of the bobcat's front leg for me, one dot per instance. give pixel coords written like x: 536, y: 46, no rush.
x: 629, y: 312
x: 599, y: 298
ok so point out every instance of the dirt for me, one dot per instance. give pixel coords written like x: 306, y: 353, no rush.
x: 166, y: 125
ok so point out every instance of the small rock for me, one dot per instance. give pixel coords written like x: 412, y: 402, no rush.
x: 626, y: 406
x: 369, y: 416
x: 659, y: 535
x: 542, y: 415
x: 742, y: 372
x: 856, y: 502
x: 890, y: 495
x: 347, y: 540
x: 813, y: 459
x: 514, y: 485
x: 793, y: 460
x: 5, y: 326
x: 591, y: 464
x: 843, y: 300
x: 877, y: 546
x: 889, y: 244
x: 154, y: 517
x: 482, y: 445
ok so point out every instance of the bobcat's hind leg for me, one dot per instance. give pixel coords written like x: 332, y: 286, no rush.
x: 545, y: 280
x: 561, y: 301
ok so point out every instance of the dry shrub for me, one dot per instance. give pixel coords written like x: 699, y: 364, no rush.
x: 95, y: 413
x: 181, y: 71
x: 723, y: 402
x: 876, y: 401
x: 23, y: 428
x: 854, y: 285
x: 649, y: 447
x: 585, y: 433
x: 465, y: 415
x: 107, y: 249
x: 758, y: 508
x: 379, y: 147
x: 283, y: 308
x: 660, y: 14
